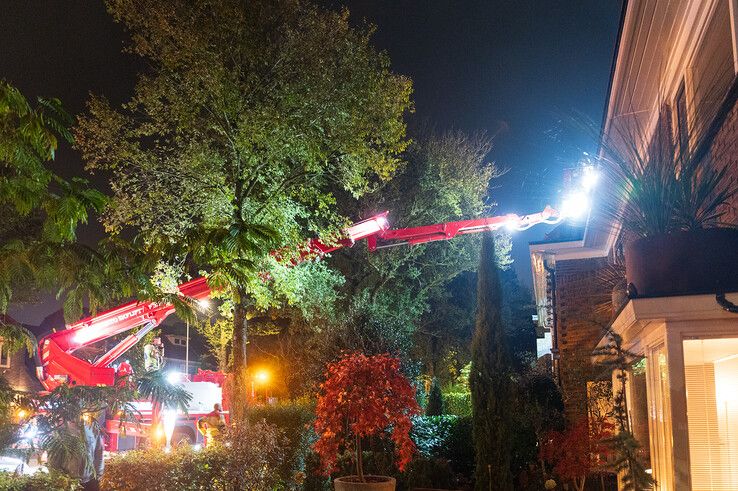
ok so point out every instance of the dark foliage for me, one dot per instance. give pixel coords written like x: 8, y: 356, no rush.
x: 490, y: 379
x: 434, y: 407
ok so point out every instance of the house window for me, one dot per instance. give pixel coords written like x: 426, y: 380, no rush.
x: 659, y: 417
x: 4, y: 355
x: 712, y: 70
x: 711, y: 376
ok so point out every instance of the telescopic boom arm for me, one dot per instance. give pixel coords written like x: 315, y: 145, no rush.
x: 59, y: 365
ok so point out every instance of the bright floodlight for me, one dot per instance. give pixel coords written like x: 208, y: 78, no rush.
x: 590, y: 176
x: 173, y: 377
x: 575, y: 206
x: 511, y: 224
x: 262, y: 376
x: 204, y: 303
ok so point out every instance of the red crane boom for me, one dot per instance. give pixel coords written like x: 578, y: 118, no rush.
x: 58, y: 363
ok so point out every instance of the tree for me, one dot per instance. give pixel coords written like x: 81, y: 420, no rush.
x: 574, y: 452
x: 623, y: 443
x: 40, y: 211
x: 252, y: 116
x: 364, y: 396
x: 396, y: 300
x: 489, y: 379
x: 434, y: 407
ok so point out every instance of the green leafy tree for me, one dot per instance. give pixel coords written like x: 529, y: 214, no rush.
x: 250, y: 118
x: 623, y: 443
x: 490, y: 380
x: 39, y: 210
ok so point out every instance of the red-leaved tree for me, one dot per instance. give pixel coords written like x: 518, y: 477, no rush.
x: 364, y: 396
x: 575, y: 452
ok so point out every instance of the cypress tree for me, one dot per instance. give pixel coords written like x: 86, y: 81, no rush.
x: 434, y: 407
x: 489, y: 380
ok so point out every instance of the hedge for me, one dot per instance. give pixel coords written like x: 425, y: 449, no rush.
x: 249, y: 458
x: 40, y: 481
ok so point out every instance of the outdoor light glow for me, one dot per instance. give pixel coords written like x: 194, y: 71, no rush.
x: 262, y: 376
x: 590, y: 176
x: 204, y: 303
x: 575, y: 206
x: 30, y: 431
x: 511, y: 224
x: 173, y: 377
x: 22, y: 413
x: 197, y: 447
x: 169, y: 420
x: 159, y: 432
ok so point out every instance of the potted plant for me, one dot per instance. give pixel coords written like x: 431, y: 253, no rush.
x: 672, y: 207
x: 364, y: 396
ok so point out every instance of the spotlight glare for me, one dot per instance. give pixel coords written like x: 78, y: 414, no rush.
x: 590, y: 176
x: 575, y: 206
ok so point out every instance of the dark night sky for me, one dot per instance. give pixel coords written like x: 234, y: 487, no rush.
x: 510, y: 67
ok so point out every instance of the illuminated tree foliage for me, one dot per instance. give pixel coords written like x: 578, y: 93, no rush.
x: 252, y: 116
x: 364, y: 396
x: 39, y: 210
x: 392, y: 298
x: 490, y: 380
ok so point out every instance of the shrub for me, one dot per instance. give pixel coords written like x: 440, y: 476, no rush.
x: 457, y: 403
x: 428, y: 473
x: 249, y: 457
x: 448, y: 438
x: 295, y: 420
x: 40, y: 481
x: 431, y: 433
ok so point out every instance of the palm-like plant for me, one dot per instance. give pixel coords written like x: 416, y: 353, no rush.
x: 657, y: 188
x: 39, y: 207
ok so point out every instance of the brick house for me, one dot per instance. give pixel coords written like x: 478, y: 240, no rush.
x: 673, y: 76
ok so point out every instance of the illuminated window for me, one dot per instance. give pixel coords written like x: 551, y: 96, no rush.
x: 711, y: 376
x: 659, y: 415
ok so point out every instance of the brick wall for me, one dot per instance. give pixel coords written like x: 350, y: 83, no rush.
x: 579, y: 292
x: 724, y: 151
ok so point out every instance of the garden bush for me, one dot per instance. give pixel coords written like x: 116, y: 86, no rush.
x: 295, y: 419
x: 457, y: 403
x: 445, y: 457
x: 40, y: 481
x: 448, y: 438
x: 431, y: 433
x: 248, y: 458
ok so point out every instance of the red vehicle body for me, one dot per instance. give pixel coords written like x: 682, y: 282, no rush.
x: 58, y: 363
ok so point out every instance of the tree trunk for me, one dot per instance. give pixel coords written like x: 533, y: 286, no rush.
x: 240, y: 391
x: 359, y: 460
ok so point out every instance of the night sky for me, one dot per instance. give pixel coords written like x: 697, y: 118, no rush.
x: 513, y: 68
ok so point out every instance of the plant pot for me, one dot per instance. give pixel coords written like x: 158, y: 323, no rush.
x: 683, y: 263
x: 373, y: 483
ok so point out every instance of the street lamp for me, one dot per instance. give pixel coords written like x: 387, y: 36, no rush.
x: 262, y: 377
